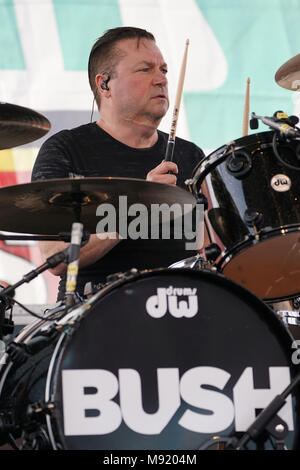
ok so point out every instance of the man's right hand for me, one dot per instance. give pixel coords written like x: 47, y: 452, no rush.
x: 160, y: 174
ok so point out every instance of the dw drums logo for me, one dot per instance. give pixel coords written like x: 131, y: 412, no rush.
x: 90, y: 400
x: 281, y: 183
x: 170, y: 300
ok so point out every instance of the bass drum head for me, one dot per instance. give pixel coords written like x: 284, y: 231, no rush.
x: 270, y: 269
x: 167, y: 360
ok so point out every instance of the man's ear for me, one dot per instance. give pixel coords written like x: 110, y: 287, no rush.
x: 102, y: 80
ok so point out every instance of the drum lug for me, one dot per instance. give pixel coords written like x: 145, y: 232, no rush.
x: 121, y: 275
x: 40, y: 407
x: 92, y: 288
x: 212, y: 252
x: 296, y: 303
x: 238, y: 164
x: 279, y: 430
x: 18, y: 353
x: 189, y: 183
x: 253, y: 218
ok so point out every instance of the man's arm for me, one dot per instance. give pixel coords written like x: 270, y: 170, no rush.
x: 95, y: 249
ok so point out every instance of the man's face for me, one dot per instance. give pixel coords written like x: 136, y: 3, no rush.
x: 139, y: 89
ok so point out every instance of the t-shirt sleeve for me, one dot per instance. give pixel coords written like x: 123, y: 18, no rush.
x: 187, y: 155
x: 198, y: 154
x: 54, y: 158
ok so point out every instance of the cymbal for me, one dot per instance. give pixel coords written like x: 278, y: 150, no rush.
x: 19, y: 125
x: 288, y: 75
x: 47, y: 207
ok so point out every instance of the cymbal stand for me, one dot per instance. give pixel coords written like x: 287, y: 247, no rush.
x: 50, y: 262
x: 6, y: 294
x: 61, y: 236
x: 70, y: 255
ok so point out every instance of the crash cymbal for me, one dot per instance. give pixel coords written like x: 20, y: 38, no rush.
x: 288, y: 75
x: 51, y: 206
x: 19, y: 125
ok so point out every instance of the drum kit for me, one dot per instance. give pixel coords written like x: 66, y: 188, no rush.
x: 197, y: 355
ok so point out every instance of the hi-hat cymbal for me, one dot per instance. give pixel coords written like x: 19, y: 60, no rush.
x: 48, y: 207
x: 19, y: 125
x: 288, y: 75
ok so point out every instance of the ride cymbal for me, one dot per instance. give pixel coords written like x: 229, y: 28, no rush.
x: 51, y: 206
x: 19, y: 125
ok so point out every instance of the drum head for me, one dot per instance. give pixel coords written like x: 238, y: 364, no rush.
x: 167, y: 360
x: 269, y: 268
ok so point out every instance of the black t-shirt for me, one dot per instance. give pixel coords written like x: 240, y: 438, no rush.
x: 90, y: 151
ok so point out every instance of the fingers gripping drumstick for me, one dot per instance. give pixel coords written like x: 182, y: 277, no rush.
x: 171, y: 140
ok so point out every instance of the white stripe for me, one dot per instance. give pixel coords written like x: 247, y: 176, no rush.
x: 41, y: 42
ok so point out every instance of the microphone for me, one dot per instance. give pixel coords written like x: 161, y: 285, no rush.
x: 279, y: 123
x: 73, y: 262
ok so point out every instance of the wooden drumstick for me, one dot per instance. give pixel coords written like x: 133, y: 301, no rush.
x: 172, y: 135
x: 246, y: 109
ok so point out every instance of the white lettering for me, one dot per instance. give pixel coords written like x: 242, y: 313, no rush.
x: 247, y: 399
x: 156, y: 305
x: 76, y: 402
x: 183, y: 308
x: 221, y: 410
x: 167, y: 300
x: 89, y: 409
x: 132, y: 404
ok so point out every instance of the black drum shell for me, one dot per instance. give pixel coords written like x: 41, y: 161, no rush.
x: 234, y: 198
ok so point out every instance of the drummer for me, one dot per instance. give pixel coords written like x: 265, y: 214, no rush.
x: 128, y: 78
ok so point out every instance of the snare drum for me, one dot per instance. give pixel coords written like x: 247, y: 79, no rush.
x: 163, y: 359
x: 254, y: 212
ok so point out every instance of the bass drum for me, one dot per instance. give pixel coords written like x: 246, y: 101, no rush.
x: 253, y: 191
x: 162, y: 359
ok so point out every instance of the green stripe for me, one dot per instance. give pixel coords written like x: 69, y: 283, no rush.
x: 11, y: 57
x: 79, y: 24
x: 256, y: 39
